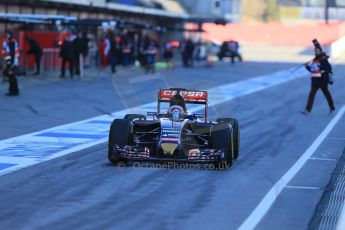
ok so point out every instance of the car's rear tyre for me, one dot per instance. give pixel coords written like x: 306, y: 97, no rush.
x: 221, y: 138
x: 119, y: 135
x: 236, y: 133
x: 134, y: 116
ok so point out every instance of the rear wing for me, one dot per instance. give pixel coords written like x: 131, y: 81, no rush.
x: 190, y: 97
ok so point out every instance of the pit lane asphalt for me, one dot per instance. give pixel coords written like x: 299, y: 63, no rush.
x: 82, y: 190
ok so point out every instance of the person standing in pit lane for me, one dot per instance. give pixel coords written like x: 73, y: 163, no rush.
x: 321, y: 76
x: 169, y: 54
x: 127, y: 50
x: 234, y: 48
x: 189, y: 51
x: 10, y: 52
x: 112, y: 50
x: 150, y: 51
x: 183, y: 52
x: 36, y: 51
x: 77, y: 50
x: 67, y: 55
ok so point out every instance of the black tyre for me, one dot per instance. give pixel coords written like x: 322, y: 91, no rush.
x: 221, y: 138
x: 134, y: 116
x: 119, y: 134
x: 236, y: 133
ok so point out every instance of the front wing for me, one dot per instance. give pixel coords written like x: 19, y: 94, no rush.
x: 193, y: 156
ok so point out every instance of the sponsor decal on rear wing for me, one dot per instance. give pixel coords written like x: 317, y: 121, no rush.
x: 189, y: 95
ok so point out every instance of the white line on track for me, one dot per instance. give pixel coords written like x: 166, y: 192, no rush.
x: 336, y: 138
x: 322, y: 159
x: 16, y: 160
x: 259, y: 212
x: 302, y: 187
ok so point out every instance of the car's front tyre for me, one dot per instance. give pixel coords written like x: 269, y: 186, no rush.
x: 236, y: 133
x: 222, y: 139
x: 119, y: 135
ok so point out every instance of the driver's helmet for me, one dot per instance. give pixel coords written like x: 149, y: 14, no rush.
x: 176, y: 112
x: 177, y: 99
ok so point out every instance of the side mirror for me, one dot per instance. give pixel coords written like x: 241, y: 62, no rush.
x: 199, y: 115
x: 151, y: 114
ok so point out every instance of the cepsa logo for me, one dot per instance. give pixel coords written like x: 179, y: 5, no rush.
x: 185, y: 94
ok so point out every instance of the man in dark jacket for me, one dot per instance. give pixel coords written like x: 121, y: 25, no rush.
x: 321, y: 71
x: 36, y: 50
x: 189, y: 52
x: 67, y: 55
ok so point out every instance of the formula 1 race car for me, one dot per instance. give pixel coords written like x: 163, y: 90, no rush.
x: 175, y: 135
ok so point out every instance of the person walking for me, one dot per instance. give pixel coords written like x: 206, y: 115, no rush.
x: 36, y: 51
x: 10, y: 53
x: 321, y: 76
